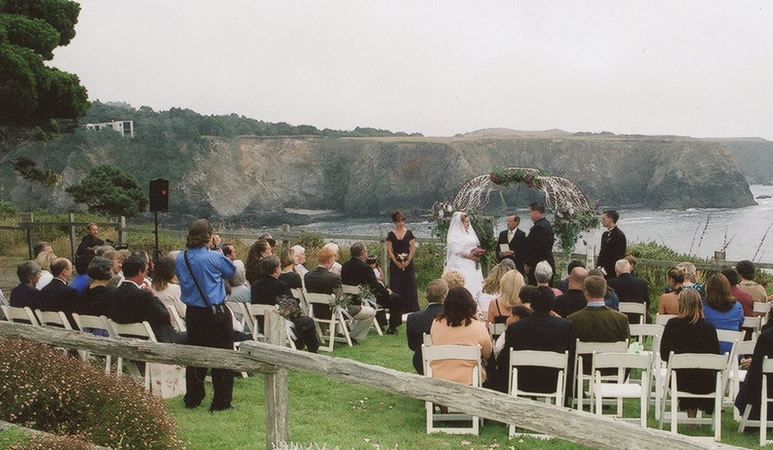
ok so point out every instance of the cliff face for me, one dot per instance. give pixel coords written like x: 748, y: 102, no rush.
x: 257, y: 178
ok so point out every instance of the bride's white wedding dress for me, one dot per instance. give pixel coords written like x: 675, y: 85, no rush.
x: 460, y: 242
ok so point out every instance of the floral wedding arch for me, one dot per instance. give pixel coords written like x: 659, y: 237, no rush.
x: 572, y: 211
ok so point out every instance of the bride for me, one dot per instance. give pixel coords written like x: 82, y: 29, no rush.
x: 460, y: 242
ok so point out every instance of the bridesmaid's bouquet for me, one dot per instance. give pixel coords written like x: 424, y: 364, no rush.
x: 402, y: 257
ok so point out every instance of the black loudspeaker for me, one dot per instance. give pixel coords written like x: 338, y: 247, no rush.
x: 159, y: 195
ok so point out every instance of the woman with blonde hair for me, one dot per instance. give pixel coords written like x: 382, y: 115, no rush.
x: 501, y: 308
x: 492, y: 284
x: 289, y: 275
x: 44, y: 260
x: 689, y: 332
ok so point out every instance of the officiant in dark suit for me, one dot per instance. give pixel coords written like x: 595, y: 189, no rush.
x: 515, y: 240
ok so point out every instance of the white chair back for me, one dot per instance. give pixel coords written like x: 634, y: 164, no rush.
x: 619, y: 387
x: 137, y: 330
x: 662, y: 319
x: 20, y: 315
x: 55, y: 319
x: 177, y: 322
x: 634, y: 308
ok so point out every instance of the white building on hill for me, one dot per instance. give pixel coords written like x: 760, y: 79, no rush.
x: 125, y: 127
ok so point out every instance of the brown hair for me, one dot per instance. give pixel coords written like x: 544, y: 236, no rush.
x: 596, y: 286
x: 718, y: 293
x: 459, y: 308
x: 287, y: 257
x: 397, y: 215
x: 253, y: 257
x: 677, y: 274
x: 164, y: 273
x: 199, y: 234
x: 690, y: 305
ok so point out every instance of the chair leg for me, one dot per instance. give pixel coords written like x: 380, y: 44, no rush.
x: 377, y: 326
x: 345, y: 331
x: 763, y: 422
x: 746, y: 412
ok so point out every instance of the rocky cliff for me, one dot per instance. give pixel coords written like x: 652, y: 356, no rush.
x: 255, y: 178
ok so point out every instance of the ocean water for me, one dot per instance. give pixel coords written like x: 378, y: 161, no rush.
x: 743, y: 233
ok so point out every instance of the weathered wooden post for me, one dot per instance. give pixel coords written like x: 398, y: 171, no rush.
x: 276, y: 385
x: 122, y: 239
x: 71, y: 218
x: 285, y: 237
x: 30, y: 234
x: 384, y: 255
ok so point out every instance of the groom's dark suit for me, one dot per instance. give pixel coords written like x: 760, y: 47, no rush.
x: 517, y: 245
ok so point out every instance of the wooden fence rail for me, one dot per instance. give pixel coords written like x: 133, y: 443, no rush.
x: 273, y: 361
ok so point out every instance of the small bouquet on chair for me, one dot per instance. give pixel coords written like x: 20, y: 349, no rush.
x: 288, y: 307
x: 477, y: 251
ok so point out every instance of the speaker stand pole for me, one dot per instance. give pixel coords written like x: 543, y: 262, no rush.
x: 155, y: 250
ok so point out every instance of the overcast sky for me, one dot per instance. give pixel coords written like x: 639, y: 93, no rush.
x: 697, y: 68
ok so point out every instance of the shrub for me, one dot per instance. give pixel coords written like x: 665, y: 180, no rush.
x: 43, y: 389
x: 429, y: 260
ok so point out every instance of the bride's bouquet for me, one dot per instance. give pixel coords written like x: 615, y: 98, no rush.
x: 477, y: 251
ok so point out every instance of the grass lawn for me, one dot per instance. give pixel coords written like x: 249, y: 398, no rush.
x: 334, y: 413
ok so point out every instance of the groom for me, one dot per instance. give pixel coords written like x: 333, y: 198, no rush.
x: 512, y: 242
x: 539, y: 243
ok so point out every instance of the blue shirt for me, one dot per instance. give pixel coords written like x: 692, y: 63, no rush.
x: 211, y: 269
x: 80, y: 283
x: 728, y: 320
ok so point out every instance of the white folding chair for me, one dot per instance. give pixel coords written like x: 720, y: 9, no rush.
x: 137, y: 330
x: 761, y: 309
x: 584, y: 352
x: 702, y: 361
x: 54, y: 319
x: 736, y: 375
x: 536, y: 358
x: 243, y: 316
x: 622, y: 387
x: 644, y: 330
x: 762, y: 423
x: 177, y: 322
x: 20, y: 315
x: 335, y: 321
x: 440, y: 352
x: 426, y: 339
x: 355, y: 290
x: 662, y: 319
x: 87, y: 322
x: 634, y: 308
x: 752, y: 325
x: 495, y: 329
x: 300, y: 294
x: 256, y: 310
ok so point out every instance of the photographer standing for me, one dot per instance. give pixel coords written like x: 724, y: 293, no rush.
x: 202, y: 274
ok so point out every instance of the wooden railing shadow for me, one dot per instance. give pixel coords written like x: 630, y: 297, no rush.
x: 273, y: 361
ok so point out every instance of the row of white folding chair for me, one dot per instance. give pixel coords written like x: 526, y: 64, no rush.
x: 348, y: 289
x: 20, y: 315
x: 137, y: 330
x: 762, y: 422
x: 334, y: 322
x: 634, y: 308
x: 432, y: 353
x: 250, y: 313
x: 701, y: 361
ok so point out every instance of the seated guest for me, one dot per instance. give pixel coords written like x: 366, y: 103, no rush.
x: 117, y: 258
x: 133, y: 304
x: 543, y: 273
x: 539, y: 331
x: 58, y: 296
x: 453, y: 278
x: 289, y: 275
x: 42, y: 247
x: 669, y: 302
x: 259, y: 250
x: 720, y: 309
x: 336, y: 268
x: 357, y: 272
x: 492, y: 285
x: 268, y: 289
x: 420, y: 323
x: 563, y: 285
x: 691, y: 277
x: 746, y: 270
x: 750, y: 392
x: 597, y: 322
x: 741, y: 296
x: 300, y: 260
x: 166, y: 290
x: 457, y: 325
x: 689, y: 332
x: 630, y: 288
x: 25, y: 293
x: 518, y: 313
x: 501, y: 307
x: 97, y: 299
x: 610, y: 297
x: 44, y: 260
x: 574, y: 299
x: 81, y: 281
x: 322, y: 281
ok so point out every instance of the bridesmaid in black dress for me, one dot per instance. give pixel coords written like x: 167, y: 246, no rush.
x: 401, y: 245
